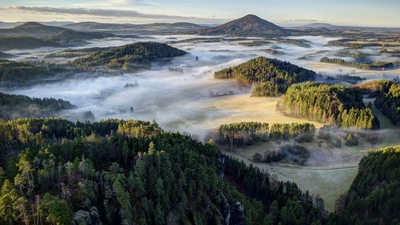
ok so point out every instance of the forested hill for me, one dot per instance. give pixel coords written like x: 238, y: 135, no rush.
x: 374, y: 196
x: 21, y: 42
x: 374, y: 88
x: 142, y: 29
x: 16, y: 106
x: 128, y: 57
x: 273, y: 75
x: 131, y: 172
x: 23, y: 73
x: 333, y: 104
x: 249, y: 25
x: 5, y: 55
x: 32, y: 29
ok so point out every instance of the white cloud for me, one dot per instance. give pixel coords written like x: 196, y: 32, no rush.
x: 112, y: 3
x: 98, y: 12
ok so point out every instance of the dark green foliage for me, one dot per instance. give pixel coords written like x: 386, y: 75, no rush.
x: 351, y: 140
x: 244, y: 133
x: 268, y: 89
x: 273, y: 75
x: 333, y: 104
x: 285, y: 131
x: 373, y: 197
x: 56, y: 210
x: 291, y: 153
x: 348, y: 43
x: 364, y: 66
x: 19, y: 42
x: 128, y: 57
x: 131, y: 172
x: 388, y: 102
x: 348, y: 78
x: 13, y: 73
x: 298, y: 42
x: 71, y: 53
x: 375, y: 87
x: 285, y: 201
x: 16, y: 106
x: 6, y: 56
x: 247, y: 133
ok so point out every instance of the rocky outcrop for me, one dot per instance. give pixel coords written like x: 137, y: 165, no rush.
x: 224, y: 209
x: 238, y: 215
x: 82, y: 217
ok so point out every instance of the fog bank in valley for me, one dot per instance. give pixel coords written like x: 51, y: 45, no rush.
x: 177, y: 92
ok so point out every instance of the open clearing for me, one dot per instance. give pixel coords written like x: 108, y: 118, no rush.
x: 329, y: 183
x: 209, y: 113
x: 243, y: 108
x: 318, y: 66
x: 330, y: 170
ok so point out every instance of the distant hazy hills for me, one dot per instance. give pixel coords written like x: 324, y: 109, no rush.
x: 38, y: 30
x: 35, y: 35
x: 249, y: 25
x: 31, y: 29
x: 24, y: 42
x: 153, y: 28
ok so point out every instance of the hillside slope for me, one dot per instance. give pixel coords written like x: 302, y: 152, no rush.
x: 272, y: 75
x: 249, y: 25
x: 128, y: 57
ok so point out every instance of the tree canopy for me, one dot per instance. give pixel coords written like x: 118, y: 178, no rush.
x: 333, y: 104
x: 132, y: 172
x: 128, y: 57
x: 272, y: 75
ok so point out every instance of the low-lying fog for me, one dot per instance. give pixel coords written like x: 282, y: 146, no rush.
x: 177, y: 100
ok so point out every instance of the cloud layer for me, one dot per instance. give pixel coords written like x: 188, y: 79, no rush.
x: 101, y: 12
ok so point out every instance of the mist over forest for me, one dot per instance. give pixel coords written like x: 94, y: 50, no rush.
x: 240, y: 123
x: 168, y: 91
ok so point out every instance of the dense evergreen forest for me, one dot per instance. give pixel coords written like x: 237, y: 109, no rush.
x: 388, y: 102
x: 131, y: 172
x: 375, y: 87
x: 17, y: 106
x: 19, y: 73
x: 23, y: 42
x: 272, y: 75
x: 71, y: 53
x: 374, y: 196
x: 346, y: 78
x: 128, y: 57
x: 333, y: 104
x: 352, y: 43
x: 364, y: 66
x: 247, y: 133
x: 6, y: 55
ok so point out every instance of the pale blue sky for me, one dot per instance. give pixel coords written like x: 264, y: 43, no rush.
x: 340, y: 12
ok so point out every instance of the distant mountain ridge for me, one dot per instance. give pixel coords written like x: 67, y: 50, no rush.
x: 35, y: 35
x: 152, y: 28
x: 250, y: 25
x: 32, y: 29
